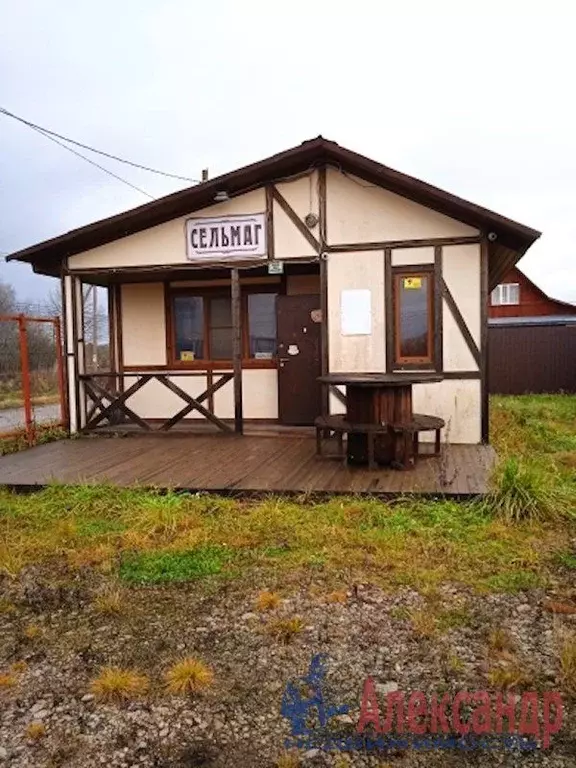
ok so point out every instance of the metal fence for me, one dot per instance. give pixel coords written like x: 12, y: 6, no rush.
x: 526, y: 358
x: 31, y: 375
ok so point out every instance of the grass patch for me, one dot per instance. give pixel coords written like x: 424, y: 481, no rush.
x: 156, y: 567
x: 516, y: 539
x: 174, y: 537
x: 514, y: 581
x: 44, y: 433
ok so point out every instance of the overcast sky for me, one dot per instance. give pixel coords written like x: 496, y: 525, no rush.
x: 476, y: 97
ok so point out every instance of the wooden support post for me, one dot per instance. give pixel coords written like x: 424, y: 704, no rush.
x: 484, y: 298
x: 80, y: 349
x: 323, y: 255
x: 70, y: 316
x: 237, y: 350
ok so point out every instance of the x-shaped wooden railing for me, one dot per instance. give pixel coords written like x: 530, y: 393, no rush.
x: 110, y: 403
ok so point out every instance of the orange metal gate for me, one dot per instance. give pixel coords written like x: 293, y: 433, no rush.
x: 19, y: 372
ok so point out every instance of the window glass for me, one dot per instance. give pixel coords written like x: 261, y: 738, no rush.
x: 221, y: 346
x: 506, y: 293
x: 262, y: 325
x: 413, y: 317
x: 189, y: 327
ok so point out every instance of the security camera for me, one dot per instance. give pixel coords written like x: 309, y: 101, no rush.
x: 492, y: 236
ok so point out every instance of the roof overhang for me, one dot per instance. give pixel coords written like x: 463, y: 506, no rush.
x: 512, y: 239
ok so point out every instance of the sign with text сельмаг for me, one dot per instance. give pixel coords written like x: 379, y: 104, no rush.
x: 226, y: 237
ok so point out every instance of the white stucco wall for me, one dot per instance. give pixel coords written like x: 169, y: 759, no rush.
x: 364, y: 269
x: 143, y: 324
x: 458, y: 402
x: 164, y: 244
x: 361, y: 212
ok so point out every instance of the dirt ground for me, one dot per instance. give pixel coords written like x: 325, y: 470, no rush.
x: 55, y: 640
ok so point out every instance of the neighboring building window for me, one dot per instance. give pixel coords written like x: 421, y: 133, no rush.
x: 413, y: 318
x: 203, y: 332
x: 506, y: 293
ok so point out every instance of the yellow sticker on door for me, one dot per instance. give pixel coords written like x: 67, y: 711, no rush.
x: 412, y: 283
x: 187, y: 354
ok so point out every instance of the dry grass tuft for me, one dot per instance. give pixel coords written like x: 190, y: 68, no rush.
x: 268, y: 601
x: 284, y: 630
x: 109, y: 602
x: 568, y: 664
x: 188, y: 676
x: 18, y: 667
x: 338, y: 596
x: 288, y: 760
x: 424, y: 623
x: 32, y: 632
x: 8, y: 680
x: 115, y: 684
x: 500, y: 640
x: 508, y: 675
x: 35, y: 731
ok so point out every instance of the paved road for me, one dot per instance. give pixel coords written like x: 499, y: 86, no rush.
x: 12, y: 418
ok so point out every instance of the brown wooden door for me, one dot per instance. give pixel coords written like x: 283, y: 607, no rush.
x: 299, y: 394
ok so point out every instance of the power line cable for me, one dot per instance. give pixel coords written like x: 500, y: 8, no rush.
x: 97, y: 151
x: 88, y: 160
x: 97, y: 165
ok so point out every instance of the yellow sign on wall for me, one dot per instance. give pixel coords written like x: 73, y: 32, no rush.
x: 187, y: 355
x: 412, y: 283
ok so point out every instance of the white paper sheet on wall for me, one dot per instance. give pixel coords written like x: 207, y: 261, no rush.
x: 356, y: 312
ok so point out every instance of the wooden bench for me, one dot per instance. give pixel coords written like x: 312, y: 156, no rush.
x: 421, y: 422
x: 339, y: 425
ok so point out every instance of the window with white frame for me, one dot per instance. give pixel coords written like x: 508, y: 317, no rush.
x: 506, y: 293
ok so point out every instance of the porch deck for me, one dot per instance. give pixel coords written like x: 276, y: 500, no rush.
x: 247, y: 465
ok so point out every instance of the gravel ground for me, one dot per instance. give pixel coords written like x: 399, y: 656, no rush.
x: 11, y: 418
x: 237, y: 721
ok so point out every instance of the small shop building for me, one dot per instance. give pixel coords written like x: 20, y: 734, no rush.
x: 228, y: 300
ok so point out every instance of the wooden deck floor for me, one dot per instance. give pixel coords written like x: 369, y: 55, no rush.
x: 242, y: 465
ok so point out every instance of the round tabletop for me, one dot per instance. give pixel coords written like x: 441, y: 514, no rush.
x: 406, y: 378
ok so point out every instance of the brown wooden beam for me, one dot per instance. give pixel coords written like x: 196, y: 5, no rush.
x: 337, y: 393
x: 270, y: 221
x: 237, y: 349
x: 191, y: 401
x: 295, y: 219
x: 461, y: 323
x: 324, y: 328
x: 484, y: 297
x: 389, y: 309
x: 118, y: 403
x: 438, y: 310
x: 383, y: 244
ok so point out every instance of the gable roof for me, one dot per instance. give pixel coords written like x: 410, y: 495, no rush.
x: 564, y: 304
x: 513, y: 239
